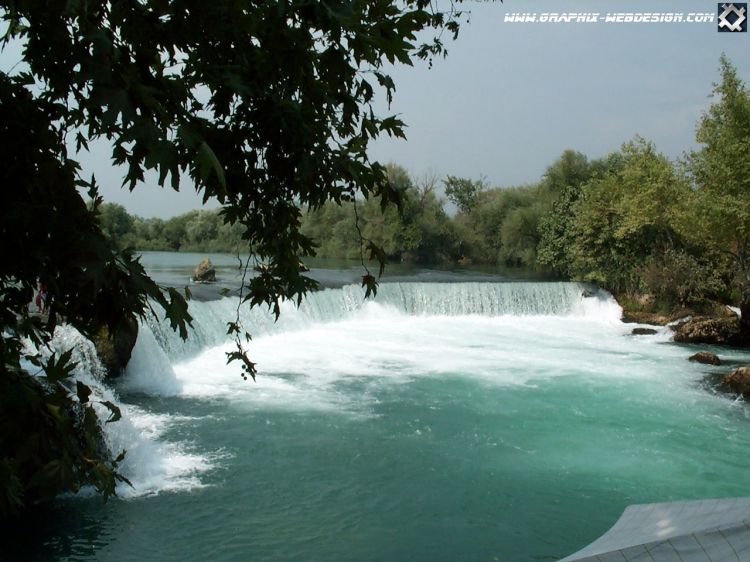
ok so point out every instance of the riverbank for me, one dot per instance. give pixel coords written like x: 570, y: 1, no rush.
x: 714, y: 325
x: 711, y: 323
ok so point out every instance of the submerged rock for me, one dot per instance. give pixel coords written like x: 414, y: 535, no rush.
x: 705, y: 357
x: 721, y: 331
x: 738, y: 381
x: 644, y: 332
x: 205, y: 272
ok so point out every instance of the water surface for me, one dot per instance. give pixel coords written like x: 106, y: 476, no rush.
x: 486, y: 420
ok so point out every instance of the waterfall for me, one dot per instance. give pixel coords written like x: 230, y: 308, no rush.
x: 156, y: 464
x: 413, y: 299
x: 150, y: 464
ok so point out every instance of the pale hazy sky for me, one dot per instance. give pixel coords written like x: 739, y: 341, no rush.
x: 511, y: 97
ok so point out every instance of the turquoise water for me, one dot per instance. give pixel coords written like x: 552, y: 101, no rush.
x: 458, y: 421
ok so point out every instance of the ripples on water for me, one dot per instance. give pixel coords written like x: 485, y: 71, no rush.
x: 461, y: 421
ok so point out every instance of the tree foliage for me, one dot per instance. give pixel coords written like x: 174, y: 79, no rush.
x: 47, y: 436
x: 418, y: 231
x: 501, y: 227
x: 564, y: 180
x: 624, y: 216
x: 265, y: 106
x: 194, y: 231
x: 464, y: 192
x: 721, y: 172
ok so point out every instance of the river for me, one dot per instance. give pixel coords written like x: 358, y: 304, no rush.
x: 456, y: 416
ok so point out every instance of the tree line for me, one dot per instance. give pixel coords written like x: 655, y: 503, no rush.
x: 633, y: 221
x: 194, y: 231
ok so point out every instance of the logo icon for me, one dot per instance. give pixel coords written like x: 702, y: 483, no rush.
x: 732, y: 17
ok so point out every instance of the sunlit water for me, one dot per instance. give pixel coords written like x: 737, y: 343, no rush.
x: 458, y: 421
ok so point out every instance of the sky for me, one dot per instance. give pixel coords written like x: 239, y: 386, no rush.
x: 511, y: 97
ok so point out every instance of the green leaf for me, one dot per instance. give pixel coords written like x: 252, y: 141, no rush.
x: 57, y: 369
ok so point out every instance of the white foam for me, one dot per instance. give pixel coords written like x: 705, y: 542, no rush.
x: 413, y: 299
x: 149, y: 370
x: 601, y: 307
x: 310, y: 368
x: 151, y: 464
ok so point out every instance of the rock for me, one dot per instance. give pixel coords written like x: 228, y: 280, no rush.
x: 720, y: 331
x: 205, y: 272
x: 644, y: 331
x: 124, y: 341
x: 105, y: 349
x: 638, y: 317
x: 464, y: 261
x: 706, y: 358
x: 738, y: 381
x: 114, y: 350
x: 587, y: 294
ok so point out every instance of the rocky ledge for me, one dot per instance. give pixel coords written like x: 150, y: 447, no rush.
x: 642, y: 317
x: 709, y: 330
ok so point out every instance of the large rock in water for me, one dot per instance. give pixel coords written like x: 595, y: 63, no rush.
x: 738, y: 381
x: 205, y: 272
x: 721, y: 331
x: 705, y: 357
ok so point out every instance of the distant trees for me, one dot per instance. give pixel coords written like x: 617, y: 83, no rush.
x: 624, y: 222
x: 564, y: 181
x: 420, y: 231
x: 116, y: 222
x: 632, y: 221
x: 720, y: 170
x: 196, y: 231
x: 464, y: 192
x: 501, y: 227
